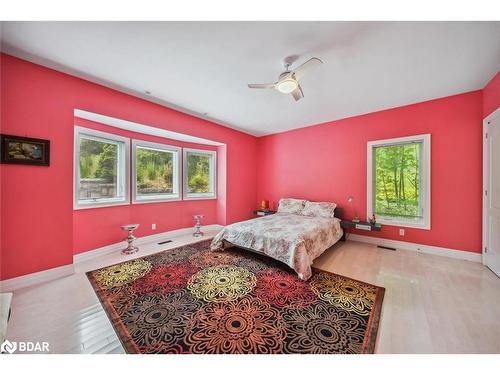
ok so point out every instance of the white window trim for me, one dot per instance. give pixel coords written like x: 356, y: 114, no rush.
x: 176, y: 183
x: 123, y: 169
x: 213, y: 175
x: 425, y: 178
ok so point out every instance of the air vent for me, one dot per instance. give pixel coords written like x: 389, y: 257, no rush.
x: 386, y: 247
x: 164, y: 242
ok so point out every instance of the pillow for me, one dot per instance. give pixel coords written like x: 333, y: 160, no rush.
x: 319, y: 209
x: 291, y: 206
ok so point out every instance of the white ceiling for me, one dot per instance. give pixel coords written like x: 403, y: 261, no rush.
x: 203, y: 67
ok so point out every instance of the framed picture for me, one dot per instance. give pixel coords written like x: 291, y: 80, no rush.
x: 23, y: 150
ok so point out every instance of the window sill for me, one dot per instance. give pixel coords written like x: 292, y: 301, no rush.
x: 135, y: 202
x: 77, y: 207
x: 404, y: 224
x: 147, y: 201
x: 211, y: 197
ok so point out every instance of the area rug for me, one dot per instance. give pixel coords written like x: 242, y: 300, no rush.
x: 193, y: 300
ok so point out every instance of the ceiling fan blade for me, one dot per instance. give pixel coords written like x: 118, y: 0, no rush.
x: 261, y: 85
x: 308, y: 65
x: 297, y: 93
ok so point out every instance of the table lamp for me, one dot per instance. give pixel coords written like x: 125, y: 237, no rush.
x: 355, y: 219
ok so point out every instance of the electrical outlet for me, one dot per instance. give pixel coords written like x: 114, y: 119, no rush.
x: 401, y: 232
x: 153, y: 226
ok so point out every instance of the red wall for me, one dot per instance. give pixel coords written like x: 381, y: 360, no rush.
x: 37, y: 208
x: 328, y: 162
x: 491, y: 95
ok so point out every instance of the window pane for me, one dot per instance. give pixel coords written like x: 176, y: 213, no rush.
x: 98, y: 169
x: 398, y: 180
x: 198, y: 174
x: 154, y: 171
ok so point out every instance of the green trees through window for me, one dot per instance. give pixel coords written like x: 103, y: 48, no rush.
x: 159, y: 172
x: 198, y: 174
x: 98, y: 169
x: 398, y: 180
x: 98, y: 160
x: 154, y: 171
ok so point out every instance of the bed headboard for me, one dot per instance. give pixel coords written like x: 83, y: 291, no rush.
x: 338, y: 212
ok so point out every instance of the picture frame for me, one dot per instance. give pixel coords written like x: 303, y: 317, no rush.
x: 23, y: 150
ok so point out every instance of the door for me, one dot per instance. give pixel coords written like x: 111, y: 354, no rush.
x: 491, y: 228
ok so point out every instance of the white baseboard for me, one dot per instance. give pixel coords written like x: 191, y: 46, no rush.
x: 109, y: 249
x: 31, y: 279
x: 435, y: 250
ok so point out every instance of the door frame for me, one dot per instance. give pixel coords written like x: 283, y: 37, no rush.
x: 486, y: 166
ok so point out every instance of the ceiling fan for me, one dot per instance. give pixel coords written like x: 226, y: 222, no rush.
x: 288, y: 81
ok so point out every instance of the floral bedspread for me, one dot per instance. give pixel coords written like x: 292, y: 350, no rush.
x: 295, y: 240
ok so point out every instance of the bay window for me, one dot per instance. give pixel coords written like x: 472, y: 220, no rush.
x: 104, y: 177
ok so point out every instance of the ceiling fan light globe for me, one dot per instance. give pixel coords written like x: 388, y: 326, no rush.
x: 287, y: 86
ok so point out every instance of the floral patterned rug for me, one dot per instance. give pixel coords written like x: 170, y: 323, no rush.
x: 193, y: 300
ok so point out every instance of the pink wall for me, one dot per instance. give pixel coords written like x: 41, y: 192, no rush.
x: 37, y: 208
x: 328, y: 162
x: 491, y: 95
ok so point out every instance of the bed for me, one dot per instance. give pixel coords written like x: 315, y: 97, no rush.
x: 293, y: 236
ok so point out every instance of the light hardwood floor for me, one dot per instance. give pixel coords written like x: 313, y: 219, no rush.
x: 432, y: 304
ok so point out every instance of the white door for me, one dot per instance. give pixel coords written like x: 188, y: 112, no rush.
x: 492, y: 192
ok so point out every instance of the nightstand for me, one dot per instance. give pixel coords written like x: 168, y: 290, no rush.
x: 347, y: 225
x: 263, y: 212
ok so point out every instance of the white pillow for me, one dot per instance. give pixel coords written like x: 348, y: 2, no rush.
x: 291, y: 206
x: 319, y: 209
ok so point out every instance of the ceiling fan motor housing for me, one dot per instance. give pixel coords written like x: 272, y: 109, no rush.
x: 284, y: 74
